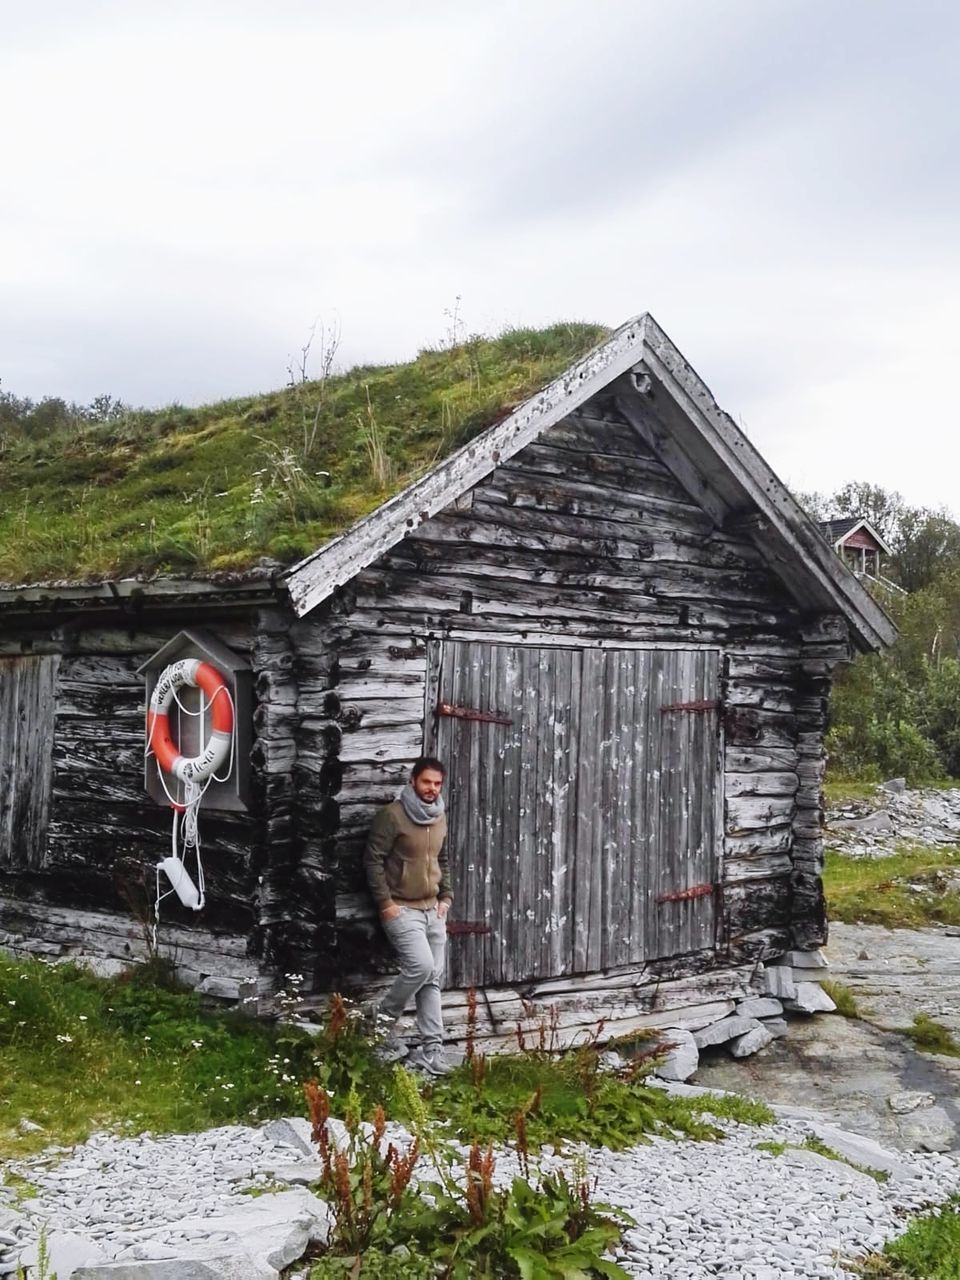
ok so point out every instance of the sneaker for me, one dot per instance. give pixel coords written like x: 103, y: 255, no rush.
x: 430, y: 1061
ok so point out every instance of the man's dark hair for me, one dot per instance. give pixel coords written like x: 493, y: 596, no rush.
x: 428, y: 762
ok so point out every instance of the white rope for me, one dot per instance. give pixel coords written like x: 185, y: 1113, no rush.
x: 186, y: 811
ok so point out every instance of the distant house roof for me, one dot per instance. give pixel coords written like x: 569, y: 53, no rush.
x: 703, y: 447
x: 838, y: 530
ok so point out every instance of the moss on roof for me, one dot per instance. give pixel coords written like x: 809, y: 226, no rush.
x: 182, y: 490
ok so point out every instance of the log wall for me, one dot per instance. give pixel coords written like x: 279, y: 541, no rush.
x: 582, y: 539
x: 77, y: 875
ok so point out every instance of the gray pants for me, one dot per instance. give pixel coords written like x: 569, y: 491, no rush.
x: 420, y: 941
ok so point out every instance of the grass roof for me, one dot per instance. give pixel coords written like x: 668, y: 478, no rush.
x: 190, y: 490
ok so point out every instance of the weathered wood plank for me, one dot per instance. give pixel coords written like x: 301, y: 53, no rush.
x: 27, y: 706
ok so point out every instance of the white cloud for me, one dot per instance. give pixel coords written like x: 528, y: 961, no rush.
x: 185, y: 188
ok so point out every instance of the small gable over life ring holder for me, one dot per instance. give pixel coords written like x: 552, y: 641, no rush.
x: 196, y: 673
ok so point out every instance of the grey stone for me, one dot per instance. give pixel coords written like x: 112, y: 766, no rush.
x: 811, y: 998
x: 221, y: 1265
x: 294, y: 1131
x: 12, y: 1220
x: 724, y: 1030
x: 28, y: 1126
x: 221, y: 988
x: 806, y: 960
x: 776, y: 1026
x: 66, y: 1251
x: 778, y: 981
x: 273, y: 1228
x: 860, y: 1150
x: 834, y: 1169
x: 752, y: 1042
x: 683, y: 1059
x: 929, y: 1129
x: 760, y: 1007
x: 902, y: 1103
x: 895, y: 786
x: 298, y: 1174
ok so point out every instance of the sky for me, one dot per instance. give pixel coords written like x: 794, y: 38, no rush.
x: 186, y: 188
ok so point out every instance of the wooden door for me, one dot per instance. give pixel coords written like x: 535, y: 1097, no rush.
x: 583, y: 794
x: 27, y: 703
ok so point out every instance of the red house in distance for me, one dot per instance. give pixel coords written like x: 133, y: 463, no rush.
x: 857, y: 544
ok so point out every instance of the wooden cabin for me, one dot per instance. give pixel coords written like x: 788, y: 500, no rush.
x: 605, y: 613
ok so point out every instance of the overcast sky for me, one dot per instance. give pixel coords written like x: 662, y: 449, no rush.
x: 186, y: 187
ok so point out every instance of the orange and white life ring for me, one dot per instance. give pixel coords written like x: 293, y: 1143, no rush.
x: 203, y: 676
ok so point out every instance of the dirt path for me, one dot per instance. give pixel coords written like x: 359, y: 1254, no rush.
x: 862, y: 1074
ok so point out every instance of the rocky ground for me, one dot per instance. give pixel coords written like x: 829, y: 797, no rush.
x: 760, y: 1204
x: 893, y: 816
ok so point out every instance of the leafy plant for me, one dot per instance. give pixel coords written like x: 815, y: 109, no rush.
x: 570, y: 1097
x: 449, y: 1225
x: 928, y: 1250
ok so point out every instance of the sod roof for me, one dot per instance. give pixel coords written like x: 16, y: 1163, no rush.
x: 222, y: 486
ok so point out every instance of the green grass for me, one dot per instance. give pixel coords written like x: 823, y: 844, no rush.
x: 842, y: 997
x: 931, y: 1036
x: 566, y: 1097
x: 837, y: 791
x: 821, y: 1149
x: 908, y: 890
x: 221, y: 485
x: 79, y: 1053
x: 928, y: 1250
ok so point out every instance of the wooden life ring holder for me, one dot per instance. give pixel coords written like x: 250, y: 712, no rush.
x: 200, y: 675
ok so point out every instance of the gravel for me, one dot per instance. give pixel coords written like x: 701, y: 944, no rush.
x: 699, y: 1209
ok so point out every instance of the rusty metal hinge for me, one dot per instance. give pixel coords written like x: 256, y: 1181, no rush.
x: 466, y: 926
x: 706, y: 704
x: 686, y: 895
x: 471, y: 713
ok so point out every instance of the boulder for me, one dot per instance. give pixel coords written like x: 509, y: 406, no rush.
x: 724, y: 1030
x: 683, y: 1059
x: 752, y: 1042
x: 811, y: 998
x: 894, y: 786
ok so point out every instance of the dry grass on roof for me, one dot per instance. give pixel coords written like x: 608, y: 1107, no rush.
x: 182, y: 490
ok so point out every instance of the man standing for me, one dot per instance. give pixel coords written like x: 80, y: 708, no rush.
x: 409, y: 877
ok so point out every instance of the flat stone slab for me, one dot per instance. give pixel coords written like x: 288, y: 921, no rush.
x: 67, y: 1251
x: 760, y: 1007
x: 752, y: 1042
x: 295, y: 1132
x: 778, y: 981
x: 806, y: 960
x: 198, y: 1266
x: 724, y: 1030
x: 811, y: 998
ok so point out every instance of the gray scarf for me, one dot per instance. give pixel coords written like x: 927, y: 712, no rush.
x: 417, y: 811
